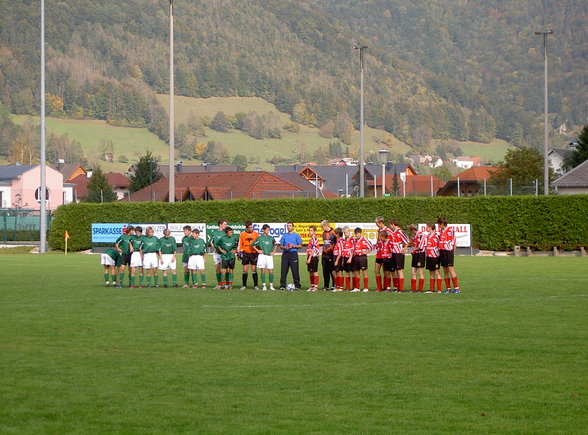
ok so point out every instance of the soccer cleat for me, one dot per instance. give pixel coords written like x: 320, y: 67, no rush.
x: 185, y: 286
x: 264, y: 288
x: 355, y: 290
x: 365, y: 290
x: 195, y: 286
x: 217, y: 287
x: 175, y: 286
x: 446, y: 291
x: 282, y: 288
x: 256, y: 287
x: 131, y: 286
x: 156, y: 285
x: 429, y: 291
x: 243, y: 288
x: 456, y: 291
x: 272, y: 287
x: 203, y: 286
x: 165, y: 285
x: 119, y: 286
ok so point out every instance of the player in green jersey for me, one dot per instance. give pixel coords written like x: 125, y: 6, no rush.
x: 110, y: 259
x: 215, y: 238
x: 136, y: 257
x: 167, y: 257
x: 227, y: 246
x: 266, y: 247
x: 124, y: 247
x: 150, y: 251
x: 186, y: 239
x: 196, y: 261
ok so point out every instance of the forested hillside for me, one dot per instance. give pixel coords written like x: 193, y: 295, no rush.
x: 434, y: 69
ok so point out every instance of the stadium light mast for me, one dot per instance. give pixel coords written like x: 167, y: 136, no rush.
x: 43, y: 187
x: 361, y: 48
x: 383, y: 155
x: 545, y: 110
x: 172, y: 158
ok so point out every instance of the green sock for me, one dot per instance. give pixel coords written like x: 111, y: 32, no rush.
x: 203, y: 277
x: 175, y: 279
x: 106, y: 277
x: 113, y: 279
x: 149, y: 280
x: 165, y: 280
x: 263, y: 278
x: 156, y: 277
x: 271, y: 278
x: 141, y: 279
x: 231, y: 275
x: 132, y: 280
x: 187, y: 278
x: 121, y: 277
x: 219, y: 278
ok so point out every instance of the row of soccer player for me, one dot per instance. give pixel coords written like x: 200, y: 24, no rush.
x: 344, y: 257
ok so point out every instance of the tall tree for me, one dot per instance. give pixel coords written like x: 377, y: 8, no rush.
x: 146, y: 172
x: 524, y: 166
x: 580, y: 154
x: 98, y: 188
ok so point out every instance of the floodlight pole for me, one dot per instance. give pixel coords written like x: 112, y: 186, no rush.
x: 172, y: 175
x: 545, y: 107
x: 361, y: 48
x: 43, y: 188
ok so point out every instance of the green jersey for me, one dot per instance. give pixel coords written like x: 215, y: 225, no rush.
x: 137, y: 242
x: 216, y: 236
x: 167, y: 245
x: 150, y: 244
x: 228, y: 244
x: 265, y: 243
x: 198, y: 247
x: 124, y: 243
x: 186, y: 240
x: 114, y: 254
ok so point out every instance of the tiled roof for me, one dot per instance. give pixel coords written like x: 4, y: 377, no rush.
x: 14, y: 171
x: 117, y: 180
x: 475, y: 173
x: 577, y: 177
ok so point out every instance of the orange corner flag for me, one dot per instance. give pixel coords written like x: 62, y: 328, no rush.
x: 66, y: 235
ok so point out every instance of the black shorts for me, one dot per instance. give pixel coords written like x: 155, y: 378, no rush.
x: 347, y: 267
x: 360, y: 262
x: 379, y: 260
x: 398, y: 261
x: 249, y: 258
x: 418, y: 260
x: 125, y: 259
x: 432, y: 263
x: 312, y: 267
x: 446, y: 258
x: 228, y: 264
x: 389, y: 264
x: 340, y: 266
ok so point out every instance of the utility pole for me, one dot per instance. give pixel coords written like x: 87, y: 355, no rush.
x: 172, y: 158
x: 361, y: 48
x: 43, y: 188
x: 545, y: 111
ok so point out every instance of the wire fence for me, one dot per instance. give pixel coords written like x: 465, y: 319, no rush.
x: 17, y: 224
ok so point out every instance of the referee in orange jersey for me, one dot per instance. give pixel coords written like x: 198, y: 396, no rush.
x: 248, y: 254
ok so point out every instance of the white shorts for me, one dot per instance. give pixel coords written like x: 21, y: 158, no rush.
x: 216, y: 257
x: 265, y: 261
x: 168, y: 264
x: 107, y: 260
x: 196, y: 262
x: 150, y: 260
x: 136, y: 260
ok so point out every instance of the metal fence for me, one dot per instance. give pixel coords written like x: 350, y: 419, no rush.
x: 20, y: 224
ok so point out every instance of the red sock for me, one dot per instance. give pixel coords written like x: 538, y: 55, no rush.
x: 395, y: 281
x: 421, y: 284
x: 366, y: 282
x: 355, y: 282
x: 341, y: 281
x: 315, y: 280
x: 455, y: 283
x: 379, y: 283
x: 347, y: 283
x: 432, y: 284
x: 387, y: 281
x: 401, y: 284
x: 447, y: 283
x: 440, y: 284
x: 412, y: 284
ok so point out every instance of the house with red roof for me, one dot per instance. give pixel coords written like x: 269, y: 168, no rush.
x: 467, y: 183
x: 414, y: 185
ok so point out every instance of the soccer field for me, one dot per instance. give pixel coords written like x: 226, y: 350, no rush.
x: 508, y: 354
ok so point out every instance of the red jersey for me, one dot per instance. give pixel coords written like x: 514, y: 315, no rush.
x: 338, y: 249
x: 447, y: 239
x: 419, y: 242
x: 313, y: 249
x: 362, y: 246
x: 348, y: 247
x: 379, y: 243
x: 433, y: 245
x: 384, y: 248
x: 400, y: 240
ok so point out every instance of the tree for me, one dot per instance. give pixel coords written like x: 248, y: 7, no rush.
x: 146, y: 172
x: 524, y: 166
x: 220, y: 122
x: 442, y: 173
x: 580, y: 154
x: 22, y: 152
x: 98, y: 188
x: 240, y: 161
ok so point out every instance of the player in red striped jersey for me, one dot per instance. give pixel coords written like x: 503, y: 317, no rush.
x: 419, y: 243
x: 312, y: 257
x: 399, y: 248
x: 432, y: 262
x: 378, y: 269
x: 447, y: 246
x: 385, y: 250
x: 338, y: 264
x: 361, y: 248
x: 347, y: 256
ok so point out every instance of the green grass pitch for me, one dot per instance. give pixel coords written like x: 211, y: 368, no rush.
x: 508, y: 355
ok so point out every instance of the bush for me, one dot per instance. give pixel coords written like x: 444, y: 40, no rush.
x: 498, y: 223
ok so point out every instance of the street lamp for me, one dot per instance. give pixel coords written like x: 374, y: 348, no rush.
x: 383, y: 156
x: 172, y: 178
x: 545, y: 107
x: 361, y: 48
x: 43, y: 180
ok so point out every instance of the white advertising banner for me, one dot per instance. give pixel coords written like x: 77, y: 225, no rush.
x: 177, y: 230
x: 463, y: 234
x: 369, y: 230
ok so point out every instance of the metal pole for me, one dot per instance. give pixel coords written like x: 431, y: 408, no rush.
x: 361, y: 122
x: 346, y: 185
x: 375, y: 187
x: 510, y: 186
x: 43, y: 188
x: 545, y: 106
x: 383, y: 179
x: 316, y: 185
x: 172, y: 175
x: 431, y: 186
x: 536, y: 187
x: 458, y: 188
